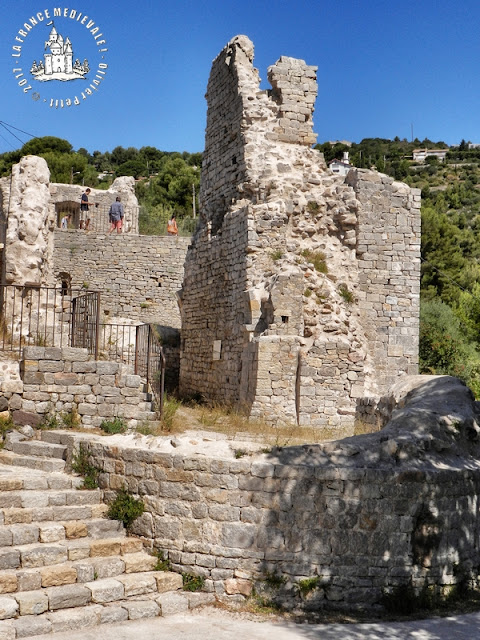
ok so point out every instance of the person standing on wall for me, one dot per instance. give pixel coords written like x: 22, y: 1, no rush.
x: 116, y: 215
x: 85, y: 210
x: 172, y: 229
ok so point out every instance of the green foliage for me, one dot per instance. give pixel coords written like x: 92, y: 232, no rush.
x: 51, y: 421
x: 117, y: 425
x: 346, y: 294
x: 192, y: 582
x: 317, y: 258
x: 6, y: 424
x: 277, y: 254
x: 170, y: 408
x: 444, y: 345
x: 82, y: 465
x: 125, y: 508
x: 275, y: 580
x: 71, y: 419
x: 307, y: 293
x: 163, y: 564
x: 308, y: 585
x: 406, y: 600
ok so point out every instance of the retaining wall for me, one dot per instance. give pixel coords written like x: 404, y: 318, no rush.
x: 295, y: 514
x: 138, y: 276
x: 61, y: 380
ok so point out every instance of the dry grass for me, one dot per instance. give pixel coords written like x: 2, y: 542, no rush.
x: 235, y: 425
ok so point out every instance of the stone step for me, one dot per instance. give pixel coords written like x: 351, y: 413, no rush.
x: 39, y: 554
x: 54, y: 513
x: 57, y: 609
x: 76, y: 572
x: 50, y: 531
x: 59, y: 437
x: 12, y: 480
x: 37, y: 448
x: 31, y: 462
x: 49, y: 498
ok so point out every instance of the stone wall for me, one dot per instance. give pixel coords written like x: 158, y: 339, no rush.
x: 66, y: 199
x: 29, y: 240
x: 138, y: 276
x: 59, y: 380
x: 362, y: 515
x: 301, y: 288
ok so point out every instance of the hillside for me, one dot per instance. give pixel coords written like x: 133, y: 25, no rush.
x: 450, y: 288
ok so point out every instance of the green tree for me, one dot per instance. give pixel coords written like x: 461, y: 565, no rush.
x: 444, y: 347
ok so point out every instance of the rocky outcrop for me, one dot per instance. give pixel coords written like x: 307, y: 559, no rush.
x: 29, y: 237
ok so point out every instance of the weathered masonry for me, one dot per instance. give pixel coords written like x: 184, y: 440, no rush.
x: 300, y: 298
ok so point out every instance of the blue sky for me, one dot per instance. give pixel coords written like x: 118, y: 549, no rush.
x: 383, y: 68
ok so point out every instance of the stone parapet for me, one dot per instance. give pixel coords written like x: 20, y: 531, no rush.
x: 65, y: 380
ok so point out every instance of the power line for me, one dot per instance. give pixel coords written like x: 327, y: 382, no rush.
x: 7, y: 141
x: 7, y: 128
x: 16, y: 129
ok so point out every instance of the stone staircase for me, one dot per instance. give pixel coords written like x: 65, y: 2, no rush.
x: 63, y: 565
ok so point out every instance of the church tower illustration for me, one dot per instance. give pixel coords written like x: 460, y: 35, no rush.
x: 58, y: 63
x: 60, y: 60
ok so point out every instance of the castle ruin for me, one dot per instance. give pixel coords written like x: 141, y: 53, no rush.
x: 300, y: 300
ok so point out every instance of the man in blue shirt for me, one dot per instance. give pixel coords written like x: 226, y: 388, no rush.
x: 116, y: 215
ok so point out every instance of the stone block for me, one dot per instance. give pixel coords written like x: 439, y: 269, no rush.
x: 102, y: 548
x: 8, y: 582
x: 107, y: 368
x: 7, y: 630
x: 29, y: 580
x: 68, y: 596
x: 141, y: 609
x: 168, y: 581
x: 32, y: 603
x: 58, y: 575
x: 106, y: 590
x: 42, y: 555
x: 74, y: 620
x: 111, y: 614
x: 137, y: 562
x: 9, y: 558
x: 28, y: 626
x: 239, y: 536
x: 171, y: 603
x: 238, y: 586
x: 137, y: 584
x: 8, y: 607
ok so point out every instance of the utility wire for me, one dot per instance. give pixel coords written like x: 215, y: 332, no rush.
x: 7, y: 141
x: 7, y: 127
x: 16, y: 129
x: 12, y: 134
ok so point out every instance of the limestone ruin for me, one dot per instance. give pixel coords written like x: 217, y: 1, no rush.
x: 300, y: 300
x: 300, y: 303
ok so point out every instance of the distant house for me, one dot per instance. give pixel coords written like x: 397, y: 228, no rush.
x: 473, y: 145
x: 340, y: 167
x: 419, y: 155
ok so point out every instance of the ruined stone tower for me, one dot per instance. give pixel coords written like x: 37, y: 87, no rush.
x: 300, y: 300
